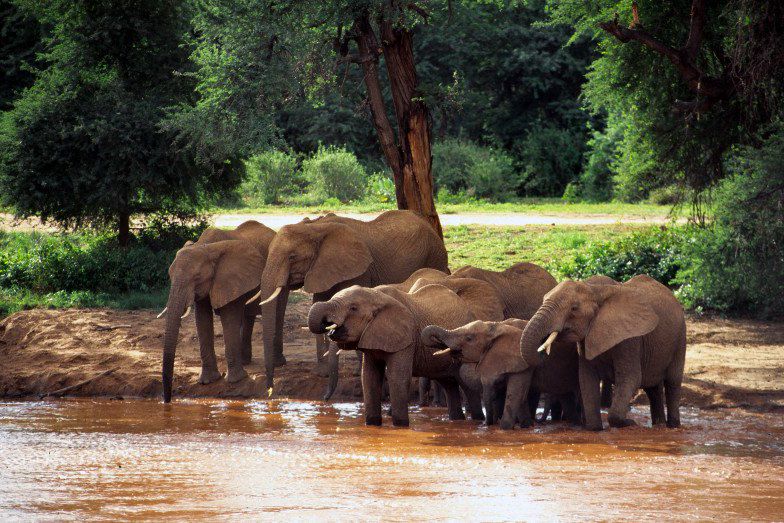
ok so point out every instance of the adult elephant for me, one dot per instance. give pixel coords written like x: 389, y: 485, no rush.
x: 217, y: 272
x: 632, y: 334
x: 493, y: 348
x: 385, y: 324
x: 332, y: 253
x: 521, y: 287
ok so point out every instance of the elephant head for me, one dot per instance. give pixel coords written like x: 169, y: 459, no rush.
x: 314, y: 254
x: 596, y: 316
x: 472, y: 342
x: 222, y: 271
x: 367, y: 318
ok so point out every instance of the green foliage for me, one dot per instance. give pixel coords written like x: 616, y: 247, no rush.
x: 596, y: 179
x: 381, y: 187
x: 738, y: 262
x: 21, y: 38
x: 335, y: 173
x: 84, y: 143
x: 571, y: 193
x: 270, y: 175
x: 463, y: 166
x: 550, y: 159
x: 656, y: 252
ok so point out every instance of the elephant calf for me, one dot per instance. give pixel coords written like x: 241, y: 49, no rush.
x: 632, y: 335
x: 494, y: 348
x: 384, y: 323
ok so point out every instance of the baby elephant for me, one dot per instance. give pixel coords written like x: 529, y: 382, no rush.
x: 494, y: 348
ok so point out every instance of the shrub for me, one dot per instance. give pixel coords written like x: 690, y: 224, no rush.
x: 572, y: 193
x: 657, y: 252
x: 270, y: 175
x: 463, y: 166
x: 596, y: 180
x: 381, y: 187
x: 335, y: 173
x: 549, y: 158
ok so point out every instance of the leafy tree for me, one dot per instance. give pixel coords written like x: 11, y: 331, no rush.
x: 20, y: 40
x: 84, y: 142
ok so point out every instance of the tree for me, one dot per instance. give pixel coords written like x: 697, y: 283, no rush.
x: 84, y: 143
x: 20, y: 39
x: 698, y: 76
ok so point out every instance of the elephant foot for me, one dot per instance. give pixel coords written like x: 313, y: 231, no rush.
x: 506, y: 424
x: 526, y: 423
x: 618, y: 422
x: 235, y: 375
x: 400, y: 422
x: 280, y: 360
x: 456, y: 417
x: 208, y: 376
x: 593, y: 427
x: 247, y: 360
x: 373, y: 421
x: 674, y: 423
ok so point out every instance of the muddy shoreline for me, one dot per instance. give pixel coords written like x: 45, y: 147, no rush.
x: 729, y: 363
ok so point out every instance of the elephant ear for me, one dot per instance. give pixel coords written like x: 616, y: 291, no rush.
x: 392, y: 329
x: 342, y: 256
x: 503, y: 355
x: 237, y: 269
x: 622, y: 315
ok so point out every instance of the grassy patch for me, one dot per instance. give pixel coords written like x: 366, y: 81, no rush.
x: 549, y: 246
x: 550, y: 206
x: 16, y: 299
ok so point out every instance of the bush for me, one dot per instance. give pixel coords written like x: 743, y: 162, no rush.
x: 463, y: 166
x: 657, y: 252
x: 270, y: 175
x: 335, y: 173
x: 738, y: 262
x: 381, y: 187
x: 550, y: 159
x: 572, y: 193
x: 596, y: 180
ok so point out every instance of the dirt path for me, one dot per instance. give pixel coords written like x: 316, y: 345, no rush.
x: 277, y: 221
x: 730, y: 363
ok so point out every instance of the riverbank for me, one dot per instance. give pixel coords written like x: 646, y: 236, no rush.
x: 729, y: 363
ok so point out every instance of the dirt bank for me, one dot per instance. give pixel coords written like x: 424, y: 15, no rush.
x: 729, y: 363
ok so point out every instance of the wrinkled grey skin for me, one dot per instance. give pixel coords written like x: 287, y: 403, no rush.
x: 384, y: 323
x: 216, y: 273
x: 493, y: 348
x: 332, y: 253
x: 632, y: 335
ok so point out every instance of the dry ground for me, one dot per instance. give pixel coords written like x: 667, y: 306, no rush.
x: 729, y: 363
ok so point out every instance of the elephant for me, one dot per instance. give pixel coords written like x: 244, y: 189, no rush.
x: 494, y: 349
x: 332, y: 253
x: 384, y: 323
x: 631, y: 334
x: 521, y: 287
x: 217, y: 272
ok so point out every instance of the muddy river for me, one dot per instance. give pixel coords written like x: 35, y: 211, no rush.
x: 83, y: 459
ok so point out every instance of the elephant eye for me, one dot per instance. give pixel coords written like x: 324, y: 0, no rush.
x: 575, y: 307
x: 353, y: 308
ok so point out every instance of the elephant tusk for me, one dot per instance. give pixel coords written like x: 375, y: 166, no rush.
x: 274, y: 295
x: 337, y: 353
x: 332, y: 327
x: 187, y: 311
x: 162, y: 313
x: 269, y: 392
x: 549, y: 341
x: 254, y: 298
x: 579, y: 349
x: 305, y: 328
x: 442, y: 351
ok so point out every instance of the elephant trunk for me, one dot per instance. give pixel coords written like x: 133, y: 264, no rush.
x: 435, y: 337
x: 178, y: 300
x: 538, y: 329
x: 321, y: 317
x: 273, y: 282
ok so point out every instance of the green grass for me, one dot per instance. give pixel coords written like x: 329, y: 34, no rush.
x: 550, y: 206
x: 16, y: 299
x: 549, y: 246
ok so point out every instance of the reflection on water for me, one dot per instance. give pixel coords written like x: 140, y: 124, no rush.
x: 199, y: 459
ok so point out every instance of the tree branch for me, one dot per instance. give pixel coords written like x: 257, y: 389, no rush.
x: 696, y: 26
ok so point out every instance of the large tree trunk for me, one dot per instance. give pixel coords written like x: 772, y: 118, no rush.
x: 124, y: 228
x: 409, y: 156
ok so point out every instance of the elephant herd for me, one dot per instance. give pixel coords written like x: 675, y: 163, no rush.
x: 383, y: 288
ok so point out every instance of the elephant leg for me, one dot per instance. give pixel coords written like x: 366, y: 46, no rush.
x: 439, y: 396
x: 672, y: 385
x: 454, y: 402
x: 206, y: 334
x: 231, y: 317
x: 607, y: 392
x: 656, y: 399
x: 590, y: 395
x: 488, y: 400
x: 569, y: 410
x: 472, y: 388
x: 372, y: 376
x: 556, y: 408
x: 532, y: 401
x: 399, y: 379
x: 628, y: 375
x: 248, y: 321
x: 515, y: 404
x: 424, y: 391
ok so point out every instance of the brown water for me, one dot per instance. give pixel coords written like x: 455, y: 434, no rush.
x: 241, y: 460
